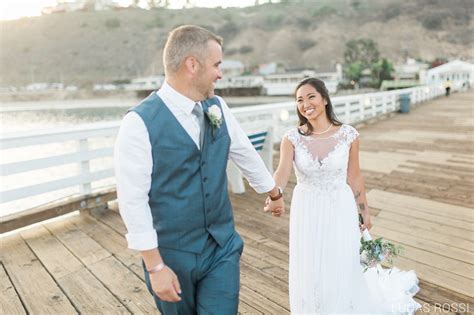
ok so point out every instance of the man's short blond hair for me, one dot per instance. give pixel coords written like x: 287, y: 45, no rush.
x: 185, y: 41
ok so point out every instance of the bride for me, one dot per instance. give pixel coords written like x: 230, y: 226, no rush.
x: 325, y: 275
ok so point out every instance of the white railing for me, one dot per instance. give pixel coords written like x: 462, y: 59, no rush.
x: 349, y: 109
x: 75, y: 150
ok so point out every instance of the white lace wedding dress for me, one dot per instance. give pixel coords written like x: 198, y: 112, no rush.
x: 325, y: 275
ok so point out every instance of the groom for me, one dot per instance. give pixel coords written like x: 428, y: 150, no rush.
x: 171, y: 155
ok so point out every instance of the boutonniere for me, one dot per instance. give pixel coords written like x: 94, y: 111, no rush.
x: 214, y: 114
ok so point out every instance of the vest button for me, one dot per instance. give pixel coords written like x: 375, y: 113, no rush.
x: 207, y: 195
x: 203, y: 163
x: 204, y: 179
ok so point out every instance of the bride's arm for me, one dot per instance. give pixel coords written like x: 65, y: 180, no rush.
x: 283, y: 171
x: 282, y: 174
x: 356, y: 181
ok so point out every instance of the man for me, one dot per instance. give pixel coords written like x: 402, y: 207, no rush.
x: 170, y: 160
x: 447, y: 86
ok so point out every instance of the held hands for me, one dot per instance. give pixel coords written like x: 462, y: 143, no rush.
x: 277, y: 207
x: 165, y: 284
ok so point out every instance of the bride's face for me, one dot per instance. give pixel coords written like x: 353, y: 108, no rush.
x: 309, y: 102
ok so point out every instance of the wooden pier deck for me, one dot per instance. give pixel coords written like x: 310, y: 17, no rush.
x: 419, y: 174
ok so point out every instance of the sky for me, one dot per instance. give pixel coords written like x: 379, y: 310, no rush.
x: 14, y: 9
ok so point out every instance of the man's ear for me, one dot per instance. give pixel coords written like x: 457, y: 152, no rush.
x: 191, y: 64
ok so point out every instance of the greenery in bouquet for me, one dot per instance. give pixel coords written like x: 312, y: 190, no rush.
x: 373, y: 252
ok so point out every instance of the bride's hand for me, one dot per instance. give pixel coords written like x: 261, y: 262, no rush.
x: 276, y: 211
x: 367, y: 222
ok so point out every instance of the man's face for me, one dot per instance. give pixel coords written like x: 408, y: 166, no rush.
x: 209, y: 70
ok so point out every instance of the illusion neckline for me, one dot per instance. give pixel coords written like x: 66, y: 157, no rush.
x: 310, y: 137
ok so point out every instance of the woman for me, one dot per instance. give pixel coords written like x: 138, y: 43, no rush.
x: 325, y: 274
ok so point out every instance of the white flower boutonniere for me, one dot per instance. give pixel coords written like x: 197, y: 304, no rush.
x: 214, y: 114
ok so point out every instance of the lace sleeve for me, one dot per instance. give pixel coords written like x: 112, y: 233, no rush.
x: 292, y: 135
x: 350, y: 134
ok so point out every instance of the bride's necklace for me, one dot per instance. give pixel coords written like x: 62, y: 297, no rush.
x: 323, y: 132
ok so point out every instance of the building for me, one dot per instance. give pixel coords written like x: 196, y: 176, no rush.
x: 285, y: 83
x: 232, y: 68
x: 145, y: 85
x: 412, y: 70
x: 460, y: 73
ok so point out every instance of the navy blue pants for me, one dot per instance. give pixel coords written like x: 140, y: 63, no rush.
x: 210, y: 281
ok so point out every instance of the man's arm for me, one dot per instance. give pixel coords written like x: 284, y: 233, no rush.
x: 244, y: 155
x: 133, y: 166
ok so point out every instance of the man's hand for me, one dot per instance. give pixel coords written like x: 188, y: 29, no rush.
x: 165, y: 284
x: 277, y: 207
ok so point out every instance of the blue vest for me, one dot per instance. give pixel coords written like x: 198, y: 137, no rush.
x: 188, y: 196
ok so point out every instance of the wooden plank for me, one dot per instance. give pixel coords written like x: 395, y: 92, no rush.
x: 116, y: 277
x: 9, y: 300
x: 125, y: 285
x: 79, y: 243
x: 262, y: 304
x: 113, y: 220
x: 431, y: 309
x: 425, y: 225
x: 38, y: 290
x: 244, y: 308
x: 89, y: 295
x: 111, y: 241
x: 52, y: 210
x: 451, y: 221
x: 422, y: 205
x: 265, y: 264
x: 52, y: 254
x: 433, y: 294
x: 413, y: 241
x: 454, y: 266
x: 268, y: 286
x: 437, y: 276
x: 418, y: 232
x: 408, y: 237
x: 86, y: 293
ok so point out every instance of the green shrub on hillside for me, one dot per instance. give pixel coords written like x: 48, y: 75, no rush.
x: 303, y: 22
x: 228, y: 30
x: 272, y: 21
x: 112, y: 23
x: 305, y: 44
x: 324, y: 11
x: 392, y: 11
x: 245, y: 49
x: 433, y: 22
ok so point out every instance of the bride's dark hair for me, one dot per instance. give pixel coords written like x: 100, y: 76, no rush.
x: 321, y: 88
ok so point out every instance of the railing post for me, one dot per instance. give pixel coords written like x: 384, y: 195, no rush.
x: 347, y: 112
x: 84, y: 167
x: 361, y: 110
x: 276, y: 122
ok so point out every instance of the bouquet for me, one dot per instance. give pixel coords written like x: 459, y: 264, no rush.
x: 375, y: 252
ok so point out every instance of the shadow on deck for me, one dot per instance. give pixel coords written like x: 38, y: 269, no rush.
x: 419, y: 176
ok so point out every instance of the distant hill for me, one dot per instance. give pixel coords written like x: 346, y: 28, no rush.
x: 87, y: 47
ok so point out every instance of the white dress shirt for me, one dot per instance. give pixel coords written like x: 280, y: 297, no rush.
x: 133, y: 163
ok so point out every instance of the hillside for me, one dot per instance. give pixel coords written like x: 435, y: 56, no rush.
x: 87, y: 47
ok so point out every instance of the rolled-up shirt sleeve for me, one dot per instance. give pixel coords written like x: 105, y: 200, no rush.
x: 244, y: 155
x: 133, y: 167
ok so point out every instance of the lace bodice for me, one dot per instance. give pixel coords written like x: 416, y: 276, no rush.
x: 322, y: 162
